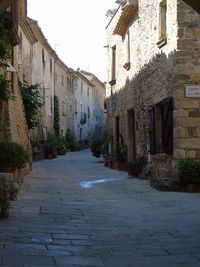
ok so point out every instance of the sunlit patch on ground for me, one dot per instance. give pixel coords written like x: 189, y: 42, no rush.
x: 89, y: 184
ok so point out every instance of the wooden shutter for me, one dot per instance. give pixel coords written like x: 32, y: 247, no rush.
x: 152, y: 130
x: 168, y: 125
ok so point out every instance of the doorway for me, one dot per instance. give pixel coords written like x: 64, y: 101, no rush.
x: 131, y: 136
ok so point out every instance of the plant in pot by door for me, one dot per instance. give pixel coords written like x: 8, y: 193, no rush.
x: 50, y: 151
x: 37, y: 149
x: 106, y: 155
x: 189, y: 175
x: 96, y: 147
x: 135, y: 168
x: 121, y: 156
x: 61, y: 148
x: 13, y: 156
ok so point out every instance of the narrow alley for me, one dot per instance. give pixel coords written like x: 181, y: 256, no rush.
x: 72, y: 211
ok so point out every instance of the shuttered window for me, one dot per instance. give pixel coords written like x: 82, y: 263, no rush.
x: 152, y: 130
x: 168, y: 125
x: 161, y: 127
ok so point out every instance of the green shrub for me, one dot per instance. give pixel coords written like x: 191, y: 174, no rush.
x: 71, y: 141
x: 69, y: 136
x: 33, y: 103
x: 8, y: 192
x: 13, y: 155
x: 74, y: 145
x: 56, y: 116
x: 189, y: 171
x: 61, y: 146
x: 121, y: 152
x: 96, y: 147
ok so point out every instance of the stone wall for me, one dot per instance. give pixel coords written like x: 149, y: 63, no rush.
x: 156, y: 73
x: 153, y: 70
x: 64, y: 89
x: 97, y: 99
x: 187, y: 114
x: 14, y: 109
x: 83, y: 128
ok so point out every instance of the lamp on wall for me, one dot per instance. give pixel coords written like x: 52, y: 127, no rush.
x: 10, y: 68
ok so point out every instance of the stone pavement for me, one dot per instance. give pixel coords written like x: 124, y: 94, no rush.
x: 61, y: 219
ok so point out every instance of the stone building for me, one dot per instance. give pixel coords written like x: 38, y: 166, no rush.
x: 98, y: 98
x: 41, y: 65
x: 64, y: 89
x: 43, y: 73
x: 90, y: 95
x: 12, y: 111
x: 35, y: 62
x: 153, y: 82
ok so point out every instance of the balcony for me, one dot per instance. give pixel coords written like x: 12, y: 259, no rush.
x: 128, y: 8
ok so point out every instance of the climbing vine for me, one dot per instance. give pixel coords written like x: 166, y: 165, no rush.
x: 5, y: 54
x: 33, y: 103
x: 56, y: 116
x: 5, y: 47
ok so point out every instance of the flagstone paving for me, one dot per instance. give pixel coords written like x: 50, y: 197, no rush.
x: 72, y: 211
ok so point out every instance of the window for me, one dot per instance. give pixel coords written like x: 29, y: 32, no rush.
x: 72, y: 86
x: 161, y: 127
x: 43, y: 58
x: 81, y: 88
x: 88, y: 91
x: 70, y: 82
x: 162, y: 24
x: 117, y: 129
x: 113, y: 66
x: 43, y: 92
x: 67, y: 83
x: 52, y: 100
x: 88, y: 112
x: 51, y: 66
x: 21, y: 42
x: 127, y: 63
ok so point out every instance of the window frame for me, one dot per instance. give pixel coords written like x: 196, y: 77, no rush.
x: 162, y: 27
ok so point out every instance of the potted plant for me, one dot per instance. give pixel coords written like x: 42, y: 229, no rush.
x: 61, y: 148
x: 135, y: 168
x: 108, y: 161
x: 50, y: 151
x: 121, y: 157
x: 189, y: 175
x: 37, y: 150
x: 71, y: 141
x: 13, y: 156
x: 96, y: 147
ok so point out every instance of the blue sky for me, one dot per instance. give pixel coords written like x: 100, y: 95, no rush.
x: 76, y: 30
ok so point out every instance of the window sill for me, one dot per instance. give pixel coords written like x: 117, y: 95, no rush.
x: 162, y: 42
x: 127, y: 65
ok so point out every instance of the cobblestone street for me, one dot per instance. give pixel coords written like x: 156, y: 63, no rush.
x: 72, y: 211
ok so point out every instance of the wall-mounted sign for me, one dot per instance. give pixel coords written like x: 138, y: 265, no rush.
x: 192, y: 90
